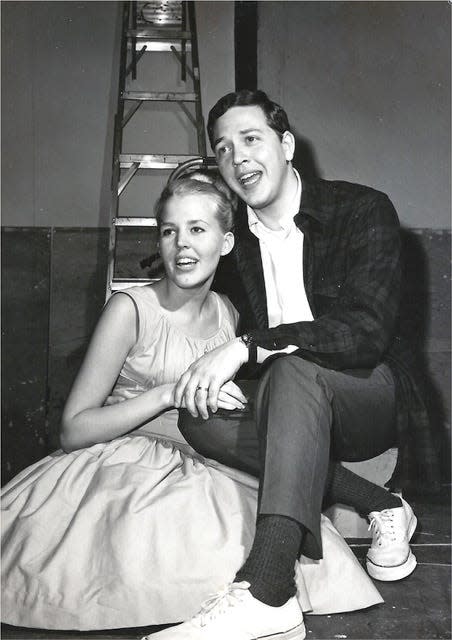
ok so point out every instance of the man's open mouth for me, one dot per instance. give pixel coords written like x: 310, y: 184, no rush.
x: 248, y: 179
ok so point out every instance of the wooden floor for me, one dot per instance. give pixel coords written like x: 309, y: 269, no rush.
x: 415, y: 608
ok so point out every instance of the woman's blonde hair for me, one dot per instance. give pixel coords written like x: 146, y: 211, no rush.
x: 207, y: 183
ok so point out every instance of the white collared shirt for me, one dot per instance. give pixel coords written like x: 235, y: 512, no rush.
x: 282, y: 262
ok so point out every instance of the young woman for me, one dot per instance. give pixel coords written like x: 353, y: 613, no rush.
x: 126, y: 525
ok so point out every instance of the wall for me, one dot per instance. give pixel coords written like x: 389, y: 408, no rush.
x: 59, y: 85
x: 216, y: 50
x: 367, y: 85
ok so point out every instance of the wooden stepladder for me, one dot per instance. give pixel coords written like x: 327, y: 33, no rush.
x: 151, y: 31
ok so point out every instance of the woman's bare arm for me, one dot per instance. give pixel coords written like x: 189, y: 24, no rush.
x: 85, y: 420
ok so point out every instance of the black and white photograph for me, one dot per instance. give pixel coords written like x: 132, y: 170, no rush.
x: 226, y: 319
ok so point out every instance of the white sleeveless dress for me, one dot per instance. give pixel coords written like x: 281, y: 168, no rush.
x: 140, y: 530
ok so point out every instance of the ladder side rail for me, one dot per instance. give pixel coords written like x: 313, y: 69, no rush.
x: 111, y: 260
x: 183, y: 44
x: 202, y: 150
x: 117, y: 140
x: 134, y: 40
x: 117, y: 144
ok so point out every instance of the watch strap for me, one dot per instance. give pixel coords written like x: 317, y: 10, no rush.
x: 248, y: 341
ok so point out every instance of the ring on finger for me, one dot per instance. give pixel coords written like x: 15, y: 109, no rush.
x: 202, y: 389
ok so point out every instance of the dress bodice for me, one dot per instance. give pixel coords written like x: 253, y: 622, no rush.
x: 163, y: 351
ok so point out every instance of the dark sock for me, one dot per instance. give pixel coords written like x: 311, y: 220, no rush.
x: 346, y: 487
x: 270, y: 566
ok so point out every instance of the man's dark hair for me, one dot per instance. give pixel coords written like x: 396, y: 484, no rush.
x: 275, y: 115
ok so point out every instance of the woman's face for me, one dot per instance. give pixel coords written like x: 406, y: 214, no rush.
x: 191, y: 239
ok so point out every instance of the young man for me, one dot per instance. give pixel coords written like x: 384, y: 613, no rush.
x: 315, y: 275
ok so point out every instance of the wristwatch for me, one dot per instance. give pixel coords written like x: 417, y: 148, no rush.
x: 249, y: 343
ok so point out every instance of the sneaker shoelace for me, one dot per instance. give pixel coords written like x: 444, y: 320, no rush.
x: 219, y: 602
x: 382, y: 527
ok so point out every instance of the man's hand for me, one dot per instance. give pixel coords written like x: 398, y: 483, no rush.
x: 199, y: 386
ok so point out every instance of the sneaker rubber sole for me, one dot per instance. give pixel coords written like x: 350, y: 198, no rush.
x: 297, y: 633
x: 397, y: 572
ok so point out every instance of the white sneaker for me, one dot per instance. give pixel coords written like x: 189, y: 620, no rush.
x: 390, y: 557
x: 234, y: 614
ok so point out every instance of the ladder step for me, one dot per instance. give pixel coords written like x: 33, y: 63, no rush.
x: 120, y: 284
x: 160, y: 45
x: 135, y: 221
x: 153, y: 161
x: 159, y: 96
x: 132, y: 280
x: 159, y: 34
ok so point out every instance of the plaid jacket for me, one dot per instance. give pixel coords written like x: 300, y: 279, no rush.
x: 352, y: 277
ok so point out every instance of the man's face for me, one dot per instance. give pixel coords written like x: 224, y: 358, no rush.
x: 251, y: 157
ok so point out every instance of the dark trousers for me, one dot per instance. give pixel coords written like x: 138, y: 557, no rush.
x: 299, y: 415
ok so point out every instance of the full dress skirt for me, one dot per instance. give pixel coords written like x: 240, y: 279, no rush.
x: 139, y: 531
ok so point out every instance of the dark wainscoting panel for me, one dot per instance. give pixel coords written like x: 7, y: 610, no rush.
x: 78, y: 279
x: 426, y: 319
x: 53, y: 292
x: 25, y: 325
